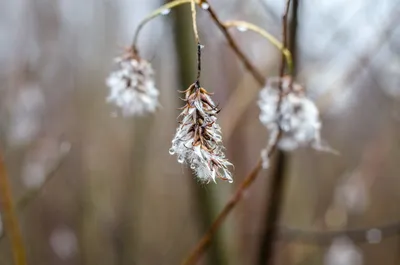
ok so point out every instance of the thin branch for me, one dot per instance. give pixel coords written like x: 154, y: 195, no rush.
x: 202, y: 245
x: 316, y: 237
x: 246, y: 25
x: 159, y: 11
x: 197, y: 40
x: 247, y: 64
x: 10, y: 218
x: 165, y: 8
x: 277, y: 189
x: 31, y: 195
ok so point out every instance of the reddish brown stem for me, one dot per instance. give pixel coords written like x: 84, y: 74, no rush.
x: 202, y: 245
x: 247, y: 64
x: 277, y: 187
x: 10, y: 218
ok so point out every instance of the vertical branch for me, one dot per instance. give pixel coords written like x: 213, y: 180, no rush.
x: 275, y: 201
x: 197, y: 40
x: 10, y: 218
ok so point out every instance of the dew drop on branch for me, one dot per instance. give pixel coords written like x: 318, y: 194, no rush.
x: 165, y: 11
x: 242, y: 28
x: 205, y: 6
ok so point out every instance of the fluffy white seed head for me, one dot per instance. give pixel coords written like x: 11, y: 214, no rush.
x: 132, y: 87
x: 297, y: 117
x: 198, y: 139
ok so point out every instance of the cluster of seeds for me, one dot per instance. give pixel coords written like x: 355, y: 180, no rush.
x: 289, y: 113
x: 132, y: 86
x: 198, y: 140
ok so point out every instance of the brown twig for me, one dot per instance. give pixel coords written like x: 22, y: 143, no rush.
x: 31, y: 195
x: 247, y: 64
x: 197, y: 40
x: 10, y: 218
x: 205, y: 241
x: 275, y: 201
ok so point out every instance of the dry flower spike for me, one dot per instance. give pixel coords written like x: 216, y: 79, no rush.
x: 297, y: 117
x: 198, y: 139
x: 132, y: 86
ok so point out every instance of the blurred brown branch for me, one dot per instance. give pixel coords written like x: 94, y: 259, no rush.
x: 206, y: 239
x: 11, y: 222
x: 249, y: 66
x: 32, y: 194
x: 277, y: 189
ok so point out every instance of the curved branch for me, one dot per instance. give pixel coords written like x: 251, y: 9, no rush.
x: 156, y: 13
x: 266, y: 35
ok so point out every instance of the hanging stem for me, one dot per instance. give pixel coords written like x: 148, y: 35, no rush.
x: 249, y: 66
x: 197, y: 40
x: 266, y: 35
x: 159, y: 11
x: 10, y: 218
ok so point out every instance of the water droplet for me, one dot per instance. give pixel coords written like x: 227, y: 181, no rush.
x: 205, y: 6
x: 181, y: 159
x: 65, y: 147
x: 64, y: 242
x: 165, y: 11
x: 172, y: 151
x: 374, y: 236
x: 242, y: 28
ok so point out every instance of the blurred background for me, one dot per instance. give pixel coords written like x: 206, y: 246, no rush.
x: 93, y: 187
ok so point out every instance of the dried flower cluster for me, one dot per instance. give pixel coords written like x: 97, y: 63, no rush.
x: 198, y: 140
x: 132, y: 86
x: 297, y: 117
